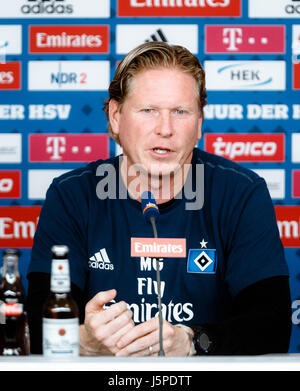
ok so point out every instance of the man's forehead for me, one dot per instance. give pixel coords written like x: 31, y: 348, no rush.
x: 158, y: 71
x: 163, y: 74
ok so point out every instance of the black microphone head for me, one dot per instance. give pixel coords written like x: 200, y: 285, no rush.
x: 149, y: 206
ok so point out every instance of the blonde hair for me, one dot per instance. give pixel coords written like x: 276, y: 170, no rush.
x: 151, y: 55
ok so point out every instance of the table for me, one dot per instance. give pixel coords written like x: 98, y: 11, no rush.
x: 277, y: 362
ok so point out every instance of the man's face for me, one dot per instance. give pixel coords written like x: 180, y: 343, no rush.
x: 160, y: 121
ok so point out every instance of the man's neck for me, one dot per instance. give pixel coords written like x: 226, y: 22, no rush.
x: 163, y: 187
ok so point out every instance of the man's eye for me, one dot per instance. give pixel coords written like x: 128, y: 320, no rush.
x: 148, y: 110
x: 180, y: 111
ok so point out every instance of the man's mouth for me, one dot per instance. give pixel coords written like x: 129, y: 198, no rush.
x: 161, y: 151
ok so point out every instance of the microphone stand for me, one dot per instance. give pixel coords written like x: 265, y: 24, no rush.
x: 161, y: 350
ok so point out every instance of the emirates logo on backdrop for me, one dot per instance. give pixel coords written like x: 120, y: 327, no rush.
x: 10, y: 76
x: 18, y: 225
x: 179, y: 8
x: 69, y: 39
x: 288, y: 221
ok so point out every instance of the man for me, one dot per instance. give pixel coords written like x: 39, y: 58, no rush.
x: 230, y: 295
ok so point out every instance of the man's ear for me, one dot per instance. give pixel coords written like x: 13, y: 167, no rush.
x: 199, y: 132
x: 114, y: 115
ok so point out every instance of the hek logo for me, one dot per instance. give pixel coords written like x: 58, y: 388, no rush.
x: 245, y: 75
x: 57, y: 7
x: 253, y: 147
x: 68, y: 148
x: 10, y: 148
x: 244, y: 39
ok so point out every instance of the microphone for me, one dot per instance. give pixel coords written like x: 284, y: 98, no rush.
x: 151, y: 213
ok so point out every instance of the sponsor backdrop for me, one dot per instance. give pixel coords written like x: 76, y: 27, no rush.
x: 57, y: 58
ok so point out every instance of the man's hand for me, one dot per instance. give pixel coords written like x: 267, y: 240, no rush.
x: 137, y: 340
x: 104, y: 327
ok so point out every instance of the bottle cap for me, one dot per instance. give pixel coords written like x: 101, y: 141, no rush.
x: 60, y: 250
x: 11, y: 251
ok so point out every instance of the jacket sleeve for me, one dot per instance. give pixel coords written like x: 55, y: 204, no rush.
x: 260, y: 321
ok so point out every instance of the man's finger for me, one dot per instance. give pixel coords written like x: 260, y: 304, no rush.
x: 99, y: 300
x: 139, y: 345
x: 138, y: 332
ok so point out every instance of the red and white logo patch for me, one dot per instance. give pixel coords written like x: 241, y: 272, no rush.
x: 68, y: 39
x: 10, y: 76
x: 179, y: 8
x: 10, y: 184
x: 252, y: 147
x: 18, y: 226
x: 288, y: 221
x: 68, y: 147
x: 244, y: 39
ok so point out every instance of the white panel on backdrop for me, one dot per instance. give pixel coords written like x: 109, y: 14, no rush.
x: 10, y: 148
x: 68, y: 75
x: 296, y: 147
x: 296, y: 43
x: 56, y: 9
x: 274, y: 9
x: 131, y: 35
x: 245, y: 75
x: 11, y: 39
x: 275, y: 180
x: 39, y: 181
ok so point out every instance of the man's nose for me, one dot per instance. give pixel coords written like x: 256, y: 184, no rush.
x: 164, y: 126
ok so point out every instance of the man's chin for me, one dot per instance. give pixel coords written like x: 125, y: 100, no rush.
x: 163, y: 170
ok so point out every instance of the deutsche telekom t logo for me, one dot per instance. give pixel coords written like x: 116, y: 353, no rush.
x: 68, y: 148
x: 244, y: 39
x: 55, y: 147
x: 232, y: 37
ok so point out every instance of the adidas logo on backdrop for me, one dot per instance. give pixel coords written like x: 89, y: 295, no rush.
x: 159, y: 36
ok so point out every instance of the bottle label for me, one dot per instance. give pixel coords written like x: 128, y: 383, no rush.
x: 60, y: 337
x: 10, y: 309
x: 2, y: 312
x: 60, y: 276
